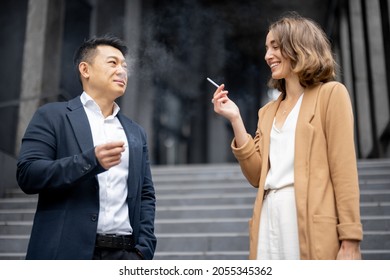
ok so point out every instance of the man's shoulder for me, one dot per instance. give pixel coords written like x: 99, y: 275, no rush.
x: 60, y: 106
x: 53, y: 106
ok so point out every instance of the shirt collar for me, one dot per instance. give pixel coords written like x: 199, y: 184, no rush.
x: 89, y: 103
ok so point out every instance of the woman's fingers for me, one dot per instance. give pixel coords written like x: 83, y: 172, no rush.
x: 220, y: 92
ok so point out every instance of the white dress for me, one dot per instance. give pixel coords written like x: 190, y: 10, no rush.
x: 278, y: 232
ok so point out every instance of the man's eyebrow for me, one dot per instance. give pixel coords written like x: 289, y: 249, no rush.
x: 116, y: 58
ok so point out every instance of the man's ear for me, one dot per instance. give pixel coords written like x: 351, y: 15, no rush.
x: 84, y: 70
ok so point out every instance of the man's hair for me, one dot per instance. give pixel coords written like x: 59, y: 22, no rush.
x: 306, y: 45
x: 86, y: 52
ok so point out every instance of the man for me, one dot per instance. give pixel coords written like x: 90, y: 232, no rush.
x: 89, y: 164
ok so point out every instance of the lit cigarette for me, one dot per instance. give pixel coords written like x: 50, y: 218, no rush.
x: 214, y: 83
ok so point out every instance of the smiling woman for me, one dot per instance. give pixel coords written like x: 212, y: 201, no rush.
x: 307, y: 49
x: 302, y: 158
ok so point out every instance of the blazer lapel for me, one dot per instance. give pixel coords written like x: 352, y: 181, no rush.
x: 134, y: 161
x: 79, y: 122
x: 304, y: 136
x: 265, y: 130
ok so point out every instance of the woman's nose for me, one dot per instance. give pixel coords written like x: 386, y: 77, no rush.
x: 268, y: 55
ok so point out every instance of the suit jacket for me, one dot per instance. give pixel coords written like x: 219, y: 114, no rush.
x: 325, y: 171
x: 57, y: 161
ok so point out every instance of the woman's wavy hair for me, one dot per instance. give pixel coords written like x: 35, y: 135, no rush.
x: 306, y: 45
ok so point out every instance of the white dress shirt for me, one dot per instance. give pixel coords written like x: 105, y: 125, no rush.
x: 113, y: 213
x: 282, y: 145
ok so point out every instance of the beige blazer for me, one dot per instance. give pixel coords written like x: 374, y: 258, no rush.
x: 325, y: 171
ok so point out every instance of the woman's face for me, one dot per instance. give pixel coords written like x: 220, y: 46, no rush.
x: 280, y: 65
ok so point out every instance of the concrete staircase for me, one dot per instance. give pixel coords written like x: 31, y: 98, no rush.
x: 203, y: 212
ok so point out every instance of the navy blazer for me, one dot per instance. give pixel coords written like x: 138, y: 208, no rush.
x: 57, y: 161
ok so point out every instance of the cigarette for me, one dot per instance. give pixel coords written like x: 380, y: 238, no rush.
x: 214, y: 83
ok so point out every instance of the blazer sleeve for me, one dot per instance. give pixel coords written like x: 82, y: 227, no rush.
x: 39, y: 166
x: 342, y: 162
x: 249, y: 155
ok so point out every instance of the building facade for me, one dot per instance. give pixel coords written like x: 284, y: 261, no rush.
x: 174, y: 46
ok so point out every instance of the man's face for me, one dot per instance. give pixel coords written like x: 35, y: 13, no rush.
x: 108, y: 72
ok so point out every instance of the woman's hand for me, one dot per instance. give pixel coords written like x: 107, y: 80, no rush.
x: 228, y: 109
x: 349, y: 250
x: 224, y: 106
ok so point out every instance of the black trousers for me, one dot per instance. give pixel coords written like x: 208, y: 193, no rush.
x: 114, y: 254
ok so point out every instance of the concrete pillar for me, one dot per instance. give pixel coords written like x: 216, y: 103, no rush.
x: 346, y: 73
x: 378, y: 67
x: 219, y: 136
x: 137, y: 103
x: 107, y: 17
x: 132, y: 32
x: 346, y: 63
x: 41, y: 59
x: 13, y: 18
x: 361, y: 87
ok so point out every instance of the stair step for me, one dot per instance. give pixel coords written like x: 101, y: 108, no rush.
x: 199, y: 255
x: 232, y: 224
x: 15, y: 227
x: 14, y: 243
x: 206, y: 199
x: 243, y: 255
x: 206, y: 189
x: 205, y: 225
x: 376, y: 240
x: 372, y: 184
x: 18, y: 203
x: 17, y: 214
x: 204, y: 211
x: 187, y: 242
x: 375, y: 254
x: 374, y: 195
x: 381, y: 222
x: 375, y: 208
x: 12, y: 256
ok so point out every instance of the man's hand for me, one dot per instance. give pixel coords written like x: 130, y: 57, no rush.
x: 349, y: 250
x: 109, y: 154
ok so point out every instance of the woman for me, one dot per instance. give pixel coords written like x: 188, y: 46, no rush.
x: 302, y: 158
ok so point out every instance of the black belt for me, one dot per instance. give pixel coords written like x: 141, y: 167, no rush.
x: 113, y: 241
